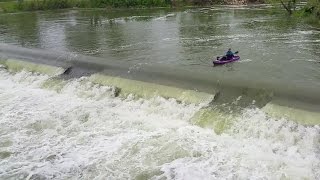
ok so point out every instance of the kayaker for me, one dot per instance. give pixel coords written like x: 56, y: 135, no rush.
x: 229, y: 54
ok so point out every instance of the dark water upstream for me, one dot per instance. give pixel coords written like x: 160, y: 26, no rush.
x: 275, y: 50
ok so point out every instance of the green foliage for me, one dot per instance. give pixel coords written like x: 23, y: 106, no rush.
x: 313, y: 7
x: 32, y: 5
x: 311, y: 10
x: 82, y: 3
x: 288, y: 5
x: 128, y: 3
x: 43, y: 4
x: 8, y: 7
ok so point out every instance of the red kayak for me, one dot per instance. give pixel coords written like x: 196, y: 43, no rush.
x: 220, y: 62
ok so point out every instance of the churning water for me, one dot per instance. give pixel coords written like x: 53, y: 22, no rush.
x: 82, y: 131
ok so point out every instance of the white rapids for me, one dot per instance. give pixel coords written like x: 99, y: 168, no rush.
x: 85, y: 132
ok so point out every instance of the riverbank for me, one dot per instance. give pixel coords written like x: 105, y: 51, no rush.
x: 10, y: 6
x: 34, y: 5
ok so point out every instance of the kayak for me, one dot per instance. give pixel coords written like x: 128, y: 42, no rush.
x: 218, y: 62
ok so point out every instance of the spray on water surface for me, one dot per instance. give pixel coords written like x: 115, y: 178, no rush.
x: 81, y: 130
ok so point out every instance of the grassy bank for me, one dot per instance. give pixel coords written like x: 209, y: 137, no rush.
x: 32, y: 5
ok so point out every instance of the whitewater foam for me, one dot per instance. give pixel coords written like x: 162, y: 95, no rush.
x: 84, y: 132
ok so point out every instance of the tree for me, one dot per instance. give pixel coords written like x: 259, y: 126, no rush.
x: 289, y: 5
x: 313, y: 6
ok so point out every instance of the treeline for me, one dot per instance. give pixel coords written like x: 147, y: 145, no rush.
x: 310, y: 9
x: 31, y: 5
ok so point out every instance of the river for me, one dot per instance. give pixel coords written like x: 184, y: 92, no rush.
x: 85, y: 131
x: 276, y: 50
